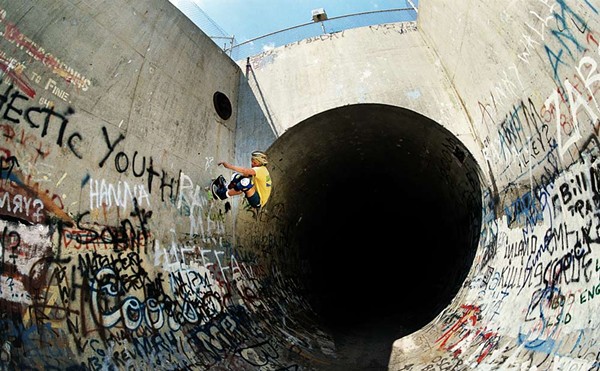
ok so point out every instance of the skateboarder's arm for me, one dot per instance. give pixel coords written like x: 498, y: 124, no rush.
x: 245, y: 171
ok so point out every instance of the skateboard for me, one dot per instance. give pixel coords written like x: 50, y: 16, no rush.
x: 218, y: 188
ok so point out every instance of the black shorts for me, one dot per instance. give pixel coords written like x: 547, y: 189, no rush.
x: 254, y: 200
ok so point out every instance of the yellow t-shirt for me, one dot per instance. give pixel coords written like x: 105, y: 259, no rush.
x: 262, y: 181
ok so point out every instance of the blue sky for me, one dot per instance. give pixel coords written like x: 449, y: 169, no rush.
x: 247, y: 19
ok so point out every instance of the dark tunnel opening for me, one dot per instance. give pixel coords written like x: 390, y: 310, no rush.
x: 387, y: 214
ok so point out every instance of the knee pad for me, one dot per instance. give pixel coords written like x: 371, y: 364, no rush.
x: 240, y: 182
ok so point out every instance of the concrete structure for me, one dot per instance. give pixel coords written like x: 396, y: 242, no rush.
x: 434, y: 207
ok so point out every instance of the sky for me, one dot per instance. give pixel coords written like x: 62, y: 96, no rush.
x: 248, y: 19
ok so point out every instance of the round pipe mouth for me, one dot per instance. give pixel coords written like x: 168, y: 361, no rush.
x: 379, y: 213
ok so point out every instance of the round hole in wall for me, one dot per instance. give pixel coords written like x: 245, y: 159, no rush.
x: 351, y: 272
x: 222, y: 105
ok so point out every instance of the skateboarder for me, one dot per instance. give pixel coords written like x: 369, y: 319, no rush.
x: 254, y: 182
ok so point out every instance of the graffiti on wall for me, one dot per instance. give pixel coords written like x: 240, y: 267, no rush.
x: 537, y: 262
x: 111, y: 258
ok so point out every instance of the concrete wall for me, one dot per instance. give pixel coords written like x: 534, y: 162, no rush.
x: 386, y: 64
x: 114, y: 255
x: 526, y: 73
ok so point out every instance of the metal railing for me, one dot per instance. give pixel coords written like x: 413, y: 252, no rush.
x: 240, y: 51
x: 290, y: 35
x: 204, y: 22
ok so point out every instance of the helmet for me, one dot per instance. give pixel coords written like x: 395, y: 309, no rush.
x: 260, y: 157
